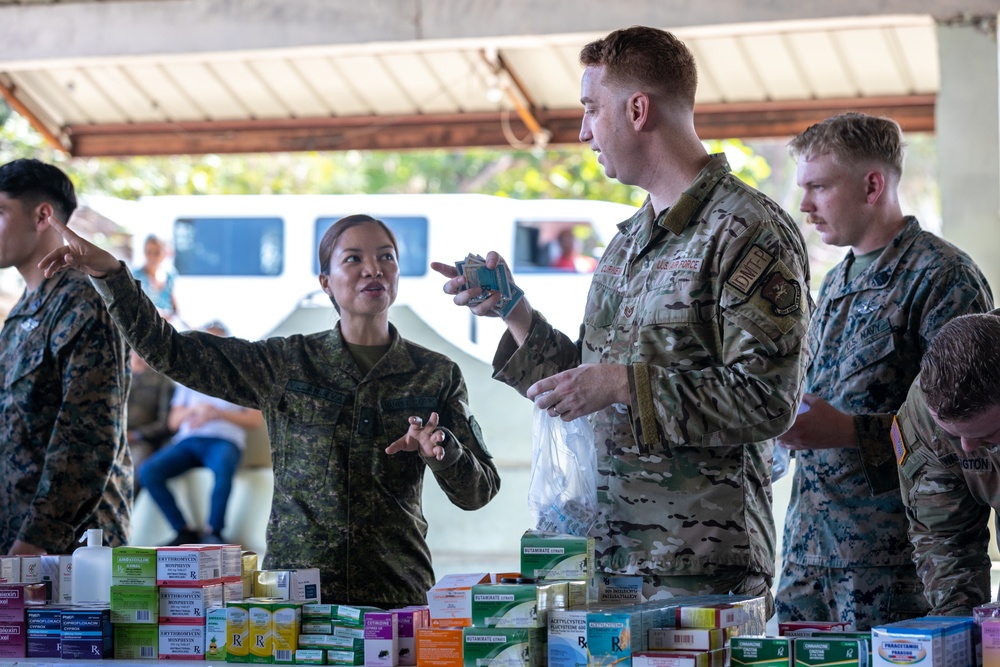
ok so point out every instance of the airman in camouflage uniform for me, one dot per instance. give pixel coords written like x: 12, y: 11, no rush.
x: 707, y: 305
x: 689, y: 360
x: 64, y: 462
x: 950, y: 479
x: 847, y: 556
x: 342, y: 408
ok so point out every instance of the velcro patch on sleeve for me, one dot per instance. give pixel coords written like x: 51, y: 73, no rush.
x: 778, y: 297
x: 750, y: 270
x: 898, y: 445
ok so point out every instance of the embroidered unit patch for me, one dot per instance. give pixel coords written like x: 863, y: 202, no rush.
x: 785, y: 295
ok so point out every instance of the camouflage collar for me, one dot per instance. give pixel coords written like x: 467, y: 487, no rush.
x: 878, y: 276
x: 397, y: 359
x: 32, y: 302
x: 680, y: 215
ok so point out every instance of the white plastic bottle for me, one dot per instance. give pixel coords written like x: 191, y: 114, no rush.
x: 92, y: 570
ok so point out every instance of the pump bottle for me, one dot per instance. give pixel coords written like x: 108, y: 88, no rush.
x: 92, y: 570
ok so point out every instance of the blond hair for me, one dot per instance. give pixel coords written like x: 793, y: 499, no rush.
x: 852, y: 138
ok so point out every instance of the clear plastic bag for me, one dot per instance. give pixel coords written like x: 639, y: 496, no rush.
x: 562, y: 494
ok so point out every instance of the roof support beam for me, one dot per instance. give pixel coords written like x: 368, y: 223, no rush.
x: 772, y: 119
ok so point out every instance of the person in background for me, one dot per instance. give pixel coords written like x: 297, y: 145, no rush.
x: 355, y: 416
x: 846, y: 556
x: 570, y: 258
x: 690, y: 357
x: 148, y: 413
x: 211, y: 433
x: 157, y: 281
x: 65, y: 465
x: 945, y: 442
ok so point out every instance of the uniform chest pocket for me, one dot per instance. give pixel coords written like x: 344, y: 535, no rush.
x: 396, y: 413
x: 25, y: 364
x: 870, y: 352
x: 303, y: 443
x: 603, y: 303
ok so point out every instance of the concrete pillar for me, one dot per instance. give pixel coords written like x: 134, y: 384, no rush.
x: 968, y: 140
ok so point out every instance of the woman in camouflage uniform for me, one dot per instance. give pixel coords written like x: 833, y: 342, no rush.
x: 344, y: 411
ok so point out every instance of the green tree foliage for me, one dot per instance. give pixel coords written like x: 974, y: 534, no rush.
x: 564, y: 172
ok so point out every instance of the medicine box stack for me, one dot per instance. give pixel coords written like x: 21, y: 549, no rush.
x: 135, y: 603
x: 189, y: 578
x: 701, y: 627
x: 336, y: 634
x: 933, y: 641
x: 15, y: 601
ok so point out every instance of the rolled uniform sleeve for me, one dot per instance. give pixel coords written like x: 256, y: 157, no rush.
x: 948, y: 525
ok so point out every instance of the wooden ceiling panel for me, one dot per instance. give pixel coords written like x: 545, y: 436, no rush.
x: 872, y: 62
x: 162, y: 92
x: 249, y: 90
x: 337, y: 95
x: 373, y: 82
x: 97, y: 104
x: 777, y: 69
x: 819, y: 59
x: 919, y: 55
x: 298, y: 97
x: 421, y: 84
x: 206, y: 91
x: 723, y: 60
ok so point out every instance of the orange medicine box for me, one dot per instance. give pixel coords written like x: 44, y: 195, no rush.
x: 440, y: 647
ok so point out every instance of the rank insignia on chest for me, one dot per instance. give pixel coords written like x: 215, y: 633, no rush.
x: 29, y: 325
x: 898, y: 446
x: 629, y: 310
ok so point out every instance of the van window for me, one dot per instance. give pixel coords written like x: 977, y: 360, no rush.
x: 229, y: 246
x: 411, y: 236
x: 556, y: 246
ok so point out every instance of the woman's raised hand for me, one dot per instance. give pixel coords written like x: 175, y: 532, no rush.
x: 79, y: 254
x: 424, y: 438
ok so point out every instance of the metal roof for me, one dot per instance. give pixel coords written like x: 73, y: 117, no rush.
x: 756, y: 79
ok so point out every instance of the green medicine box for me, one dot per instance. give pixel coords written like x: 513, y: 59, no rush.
x: 554, y: 556
x: 133, y: 566
x: 515, y: 605
x: 812, y: 652
x: 760, y: 652
x: 503, y: 647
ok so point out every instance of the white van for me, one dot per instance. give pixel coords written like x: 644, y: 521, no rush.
x: 251, y: 260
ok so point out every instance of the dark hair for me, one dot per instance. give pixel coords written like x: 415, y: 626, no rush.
x: 853, y: 137
x: 960, y: 372
x: 33, y: 182
x: 647, y: 57
x: 337, y: 229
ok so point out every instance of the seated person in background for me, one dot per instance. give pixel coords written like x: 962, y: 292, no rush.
x: 946, y: 439
x: 157, y: 282
x: 570, y: 258
x: 212, y: 433
x: 148, y: 426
